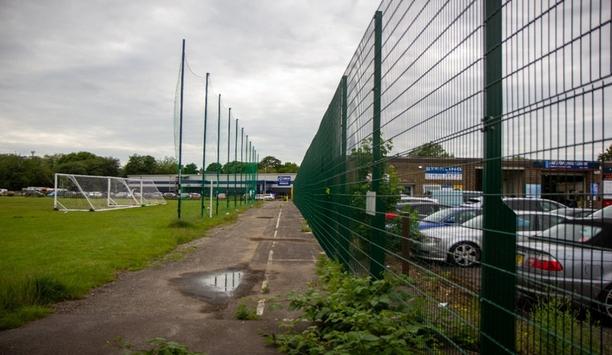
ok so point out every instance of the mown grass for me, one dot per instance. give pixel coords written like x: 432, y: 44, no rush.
x: 48, y: 256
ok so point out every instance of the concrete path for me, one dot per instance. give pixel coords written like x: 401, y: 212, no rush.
x: 264, y: 254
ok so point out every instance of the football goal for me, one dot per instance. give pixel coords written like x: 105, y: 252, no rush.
x: 102, y: 193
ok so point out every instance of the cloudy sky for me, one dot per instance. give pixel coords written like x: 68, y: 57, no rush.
x: 100, y: 76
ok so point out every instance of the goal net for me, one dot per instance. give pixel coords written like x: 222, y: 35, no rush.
x: 102, y: 193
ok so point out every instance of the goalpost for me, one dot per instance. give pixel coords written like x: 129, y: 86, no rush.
x: 74, y: 192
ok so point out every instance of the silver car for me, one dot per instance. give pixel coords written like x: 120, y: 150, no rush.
x: 574, y: 262
x: 461, y: 245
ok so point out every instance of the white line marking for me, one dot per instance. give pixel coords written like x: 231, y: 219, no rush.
x: 279, y: 216
x: 261, y: 304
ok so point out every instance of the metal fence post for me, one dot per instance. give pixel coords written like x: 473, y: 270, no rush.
x: 345, y: 234
x: 498, y: 278
x: 377, y: 226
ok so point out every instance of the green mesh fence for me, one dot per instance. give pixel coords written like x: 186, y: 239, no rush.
x: 466, y: 147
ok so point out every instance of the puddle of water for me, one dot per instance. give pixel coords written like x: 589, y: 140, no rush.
x: 225, y: 281
x: 215, y: 287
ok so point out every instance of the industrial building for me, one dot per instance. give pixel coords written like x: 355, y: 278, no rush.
x: 279, y: 184
x: 574, y: 183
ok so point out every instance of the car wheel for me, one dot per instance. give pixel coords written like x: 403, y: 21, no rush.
x: 464, y: 254
x: 606, y: 303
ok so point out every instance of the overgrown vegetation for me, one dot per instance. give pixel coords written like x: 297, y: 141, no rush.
x: 243, y: 312
x: 554, y: 327
x: 305, y: 227
x: 356, y: 315
x: 48, y: 256
x: 160, y: 346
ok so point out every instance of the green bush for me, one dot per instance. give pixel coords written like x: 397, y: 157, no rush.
x: 245, y: 313
x: 356, y: 315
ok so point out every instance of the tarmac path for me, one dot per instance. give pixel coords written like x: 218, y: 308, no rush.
x: 256, y: 261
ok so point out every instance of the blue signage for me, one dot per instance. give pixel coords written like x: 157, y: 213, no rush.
x: 568, y: 164
x: 284, y: 180
x: 443, y: 173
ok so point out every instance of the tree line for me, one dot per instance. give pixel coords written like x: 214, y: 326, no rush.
x: 18, y: 171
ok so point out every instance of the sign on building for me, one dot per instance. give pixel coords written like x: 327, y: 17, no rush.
x: 567, y: 164
x: 443, y: 173
x: 284, y: 180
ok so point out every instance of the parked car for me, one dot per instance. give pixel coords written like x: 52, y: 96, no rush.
x: 194, y: 196
x: 521, y: 203
x: 3, y: 192
x: 169, y: 195
x: 265, y: 197
x: 449, y: 216
x: 461, y: 244
x: 605, y: 212
x: 423, y: 206
x: 574, y: 212
x: 574, y: 260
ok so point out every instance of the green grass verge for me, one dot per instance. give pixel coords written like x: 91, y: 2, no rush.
x: 47, y: 256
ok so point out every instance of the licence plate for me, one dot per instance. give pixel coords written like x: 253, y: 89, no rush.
x: 519, y: 259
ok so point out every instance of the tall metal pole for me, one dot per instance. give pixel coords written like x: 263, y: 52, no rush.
x: 247, y: 167
x: 377, y: 221
x: 241, y: 157
x: 498, y: 258
x: 250, y: 167
x: 202, y: 192
x: 229, y: 131
x: 218, y: 156
x: 235, y: 163
x: 180, y: 157
x: 257, y: 171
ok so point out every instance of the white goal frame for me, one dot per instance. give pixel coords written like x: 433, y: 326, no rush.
x: 133, y: 190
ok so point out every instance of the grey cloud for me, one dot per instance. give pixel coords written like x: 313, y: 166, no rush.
x: 101, y: 76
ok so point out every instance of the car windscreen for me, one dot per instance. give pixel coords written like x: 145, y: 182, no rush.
x: 572, y: 232
x: 440, y: 216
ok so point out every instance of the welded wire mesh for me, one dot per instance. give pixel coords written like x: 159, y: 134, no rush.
x: 461, y: 148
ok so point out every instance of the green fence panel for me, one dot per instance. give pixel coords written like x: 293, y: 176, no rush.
x: 467, y: 146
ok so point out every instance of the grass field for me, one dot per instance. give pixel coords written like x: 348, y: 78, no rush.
x: 47, y: 256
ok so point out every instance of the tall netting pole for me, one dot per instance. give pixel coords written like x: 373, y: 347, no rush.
x: 247, y: 168
x: 498, y: 277
x: 229, y: 129
x: 241, y: 158
x: 257, y: 170
x: 180, y: 150
x: 202, y: 190
x: 250, y: 169
x: 235, y: 164
x: 218, y: 167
